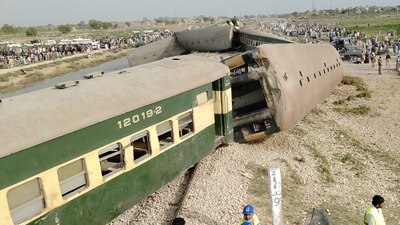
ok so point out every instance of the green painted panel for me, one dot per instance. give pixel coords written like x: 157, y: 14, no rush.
x: 264, y: 39
x: 222, y: 85
x: 260, y: 38
x: 224, y: 126
x: 119, y: 194
x: 27, y: 163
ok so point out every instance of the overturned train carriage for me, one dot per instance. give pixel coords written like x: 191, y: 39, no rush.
x: 224, y: 36
x: 277, y: 85
x: 85, y: 153
x: 274, y: 84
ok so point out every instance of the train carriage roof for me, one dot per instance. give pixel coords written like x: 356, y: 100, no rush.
x: 39, y: 116
x: 264, y: 34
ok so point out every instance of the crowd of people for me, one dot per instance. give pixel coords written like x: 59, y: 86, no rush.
x: 368, y: 47
x: 28, y: 54
x: 353, y: 45
x: 308, y: 33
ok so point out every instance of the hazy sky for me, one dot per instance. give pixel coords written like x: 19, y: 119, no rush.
x: 56, y: 12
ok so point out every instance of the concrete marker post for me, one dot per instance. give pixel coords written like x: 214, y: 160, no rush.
x: 275, y: 186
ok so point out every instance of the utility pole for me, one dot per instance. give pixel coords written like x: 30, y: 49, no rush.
x: 314, y: 8
x: 1, y: 13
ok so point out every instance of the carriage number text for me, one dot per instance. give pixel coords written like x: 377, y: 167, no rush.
x: 142, y: 116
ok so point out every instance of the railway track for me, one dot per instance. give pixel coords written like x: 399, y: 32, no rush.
x: 164, y: 205
x: 190, y: 177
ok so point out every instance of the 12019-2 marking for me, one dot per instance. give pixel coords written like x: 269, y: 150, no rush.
x: 138, y: 117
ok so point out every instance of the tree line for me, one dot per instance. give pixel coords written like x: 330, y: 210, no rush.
x: 64, y: 28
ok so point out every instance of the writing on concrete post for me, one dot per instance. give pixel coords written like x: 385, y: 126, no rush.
x: 275, y: 186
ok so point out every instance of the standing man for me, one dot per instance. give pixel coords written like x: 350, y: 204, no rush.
x: 373, y: 59
x: 380, y: 65
x: 388, y: 58
x: 373, y: 214
x: 249, y: 216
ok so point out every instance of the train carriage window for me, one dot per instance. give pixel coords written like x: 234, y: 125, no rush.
x: 141, y: 146
x: 111, y: 159
x: 26, y: 201
x: 72, y: 178
x: 185, y: 122
x: 164, y: 133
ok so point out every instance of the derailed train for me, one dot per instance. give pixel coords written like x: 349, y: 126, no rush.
x: 86, y: 153
x: 274, y: 85
x: 278, y: 85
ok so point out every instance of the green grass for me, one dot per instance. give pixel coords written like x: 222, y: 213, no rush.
x: 324, y: 166
x: 355, y: 164
x: 342, y: 214
x: 4, y: 78
x: 258, y: 191
x: 259, y: 185
x: 359, y: 110
x: 346, y: 139
x: 300, y: 159
x: 364, y: 93
x: 317, y: 111
x: 355, y: 81
x: 292, y: 194
x: 298, y: 131
x: 340, y: 102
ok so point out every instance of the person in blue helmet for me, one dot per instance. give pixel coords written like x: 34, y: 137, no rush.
x: 249, y: 218
x: 246, y: 223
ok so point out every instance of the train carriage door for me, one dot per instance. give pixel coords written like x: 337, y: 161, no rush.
x: 223, y: 110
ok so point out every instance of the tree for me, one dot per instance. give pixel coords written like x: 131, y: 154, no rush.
x: 9, y: 29
x: 128, y: 24
x: 64, y: 29
x: 97, y: 25
x: 31, y: 32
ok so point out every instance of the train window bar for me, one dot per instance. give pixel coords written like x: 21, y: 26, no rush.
x: 111, y: 159
x: 141, y: 146
x: 186, y: 127
x: 26, y: 201
x: 72, y: 178
x: 164, y: 133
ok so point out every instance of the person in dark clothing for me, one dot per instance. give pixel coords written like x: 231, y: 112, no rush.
x: 380, y: 65
x: 178, y: 221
